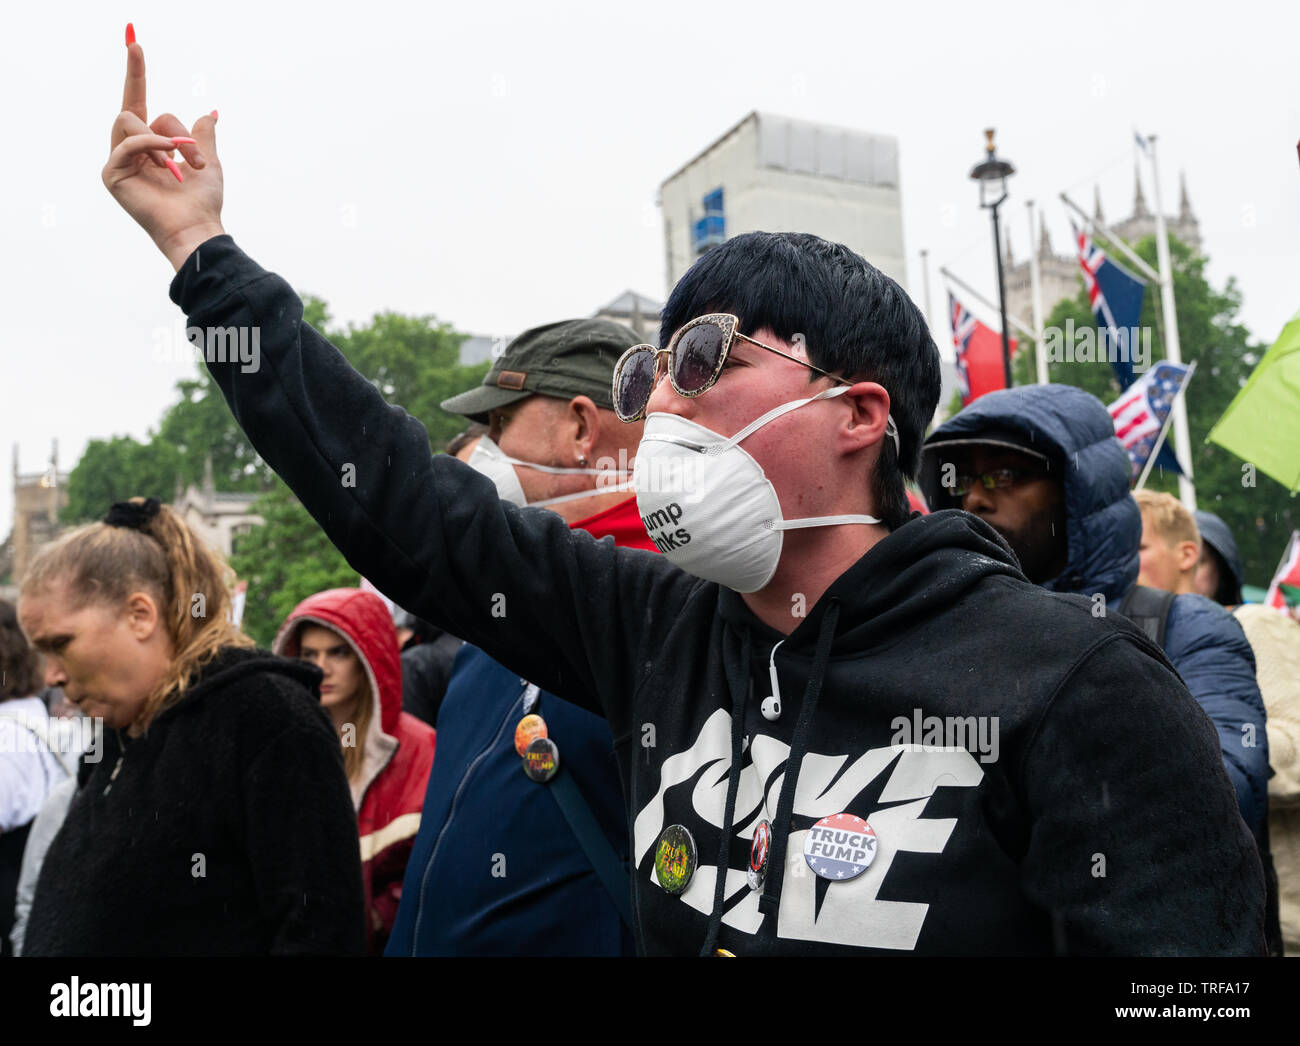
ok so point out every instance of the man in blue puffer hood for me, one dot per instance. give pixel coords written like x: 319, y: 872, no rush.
x: 1041, y: 464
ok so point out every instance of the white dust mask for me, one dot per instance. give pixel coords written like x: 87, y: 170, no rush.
x: 707, y: 504
x: 498, y: 466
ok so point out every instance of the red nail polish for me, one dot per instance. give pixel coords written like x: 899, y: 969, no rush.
x: 185, y: 141
x: 171, y: 166
x: 213, y: 114
x: 130, y: 34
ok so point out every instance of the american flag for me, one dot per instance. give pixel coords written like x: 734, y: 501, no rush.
x: 1140, y: 412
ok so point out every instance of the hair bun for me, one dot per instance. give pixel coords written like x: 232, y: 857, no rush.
x: 133, y: 514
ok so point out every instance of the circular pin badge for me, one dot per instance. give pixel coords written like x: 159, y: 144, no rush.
x: 528, y: 730
x: 759, y: 852
x: 840, y: 847
x: 541, y: 759
x: 675, y: 859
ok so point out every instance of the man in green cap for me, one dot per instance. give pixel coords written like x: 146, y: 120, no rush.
x: 553, y: 438
x: 507, y: 871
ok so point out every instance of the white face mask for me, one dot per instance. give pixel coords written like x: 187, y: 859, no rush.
x: 707, y: 504
x: 494, y: 463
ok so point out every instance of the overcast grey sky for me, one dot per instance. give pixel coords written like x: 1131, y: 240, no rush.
x: 497, y: 164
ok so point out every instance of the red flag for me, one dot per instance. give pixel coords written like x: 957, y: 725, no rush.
x: 979, y: 354
x: 1284, y: 590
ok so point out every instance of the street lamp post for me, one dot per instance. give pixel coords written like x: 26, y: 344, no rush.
x: 992, y: 175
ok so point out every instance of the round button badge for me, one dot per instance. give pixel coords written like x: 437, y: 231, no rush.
x: 527, y: 731
x: 675, y: 859
x: 541, y: 759
x: 840, y: 847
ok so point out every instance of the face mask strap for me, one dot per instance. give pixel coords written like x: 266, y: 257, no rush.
x: 493, y: 449
x: 774, y: 413
x: 626, y: 485
x: 891, y: 430
x: 820, y: 521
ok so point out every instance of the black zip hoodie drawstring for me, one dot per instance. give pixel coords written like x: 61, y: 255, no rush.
x: 739, y: 684
x: 769, y: 901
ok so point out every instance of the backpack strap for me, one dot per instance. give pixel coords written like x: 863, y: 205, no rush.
x: 1148, y: 608
x: 611, y: 871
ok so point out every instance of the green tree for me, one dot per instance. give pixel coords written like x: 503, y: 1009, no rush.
x: 1259, y: 511
x: 116, y: 469
x: 414, y: 362
x: 284, y: 561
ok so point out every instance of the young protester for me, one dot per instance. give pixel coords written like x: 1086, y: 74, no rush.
x: 508, y: 851
x: 760, y: 678
x: 216, y: 819
x: 1171, y: 545
x: 349, y: 635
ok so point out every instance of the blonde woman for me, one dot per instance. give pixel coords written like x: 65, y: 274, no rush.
x: 218, y: 820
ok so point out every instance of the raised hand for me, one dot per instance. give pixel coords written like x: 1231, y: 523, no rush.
x: 179, y: 207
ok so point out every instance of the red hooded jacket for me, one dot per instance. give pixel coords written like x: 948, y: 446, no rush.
x: 397, y: 750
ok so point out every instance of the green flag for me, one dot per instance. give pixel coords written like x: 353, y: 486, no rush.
x: 1262, y: 424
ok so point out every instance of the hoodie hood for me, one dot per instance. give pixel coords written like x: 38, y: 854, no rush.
x: 365, y: 622
x: 1074, y: 429
x: 1215, y: 533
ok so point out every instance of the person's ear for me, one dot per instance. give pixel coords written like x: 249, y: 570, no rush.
x: 142, y: 615
x: 584, y: 419
x: 1188, y: 556
x: 868, y: 417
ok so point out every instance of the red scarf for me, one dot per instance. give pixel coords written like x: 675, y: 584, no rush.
x: 622, y: 522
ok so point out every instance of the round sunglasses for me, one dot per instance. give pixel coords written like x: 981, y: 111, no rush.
x: 696, y: 355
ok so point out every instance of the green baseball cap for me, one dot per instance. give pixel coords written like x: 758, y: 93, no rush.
x: 565, y: 359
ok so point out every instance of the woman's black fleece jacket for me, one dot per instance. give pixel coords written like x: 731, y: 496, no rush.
x: 227, y: 829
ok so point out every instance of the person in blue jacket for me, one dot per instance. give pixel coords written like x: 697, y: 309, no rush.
x: 1041, y: 465
x: 497, y: 867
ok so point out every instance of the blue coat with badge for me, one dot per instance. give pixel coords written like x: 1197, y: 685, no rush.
x: 496, y: 868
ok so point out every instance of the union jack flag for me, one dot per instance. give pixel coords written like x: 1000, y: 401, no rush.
x: 979, y: 353
x: 1115, y: 297
x: 1139, y: 414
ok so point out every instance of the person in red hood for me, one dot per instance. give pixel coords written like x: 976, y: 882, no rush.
x: 349, y: 635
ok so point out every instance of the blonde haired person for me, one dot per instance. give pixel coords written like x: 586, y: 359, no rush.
x: 218, y: 820
x: 1171, y: 544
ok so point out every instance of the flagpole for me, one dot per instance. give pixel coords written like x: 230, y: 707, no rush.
x: 1097, y: 229
x: 925, y: 283
x: 1040, y: 350
x: 948, y: 275
x: 1173, y: 350
x: 1164, y: 429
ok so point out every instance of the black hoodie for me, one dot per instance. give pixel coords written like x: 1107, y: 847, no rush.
x: 1085, y: 825
x: 227, y: 829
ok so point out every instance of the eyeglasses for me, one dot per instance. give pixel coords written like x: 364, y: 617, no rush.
x: 696, y: 356
x: 997, y: 479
